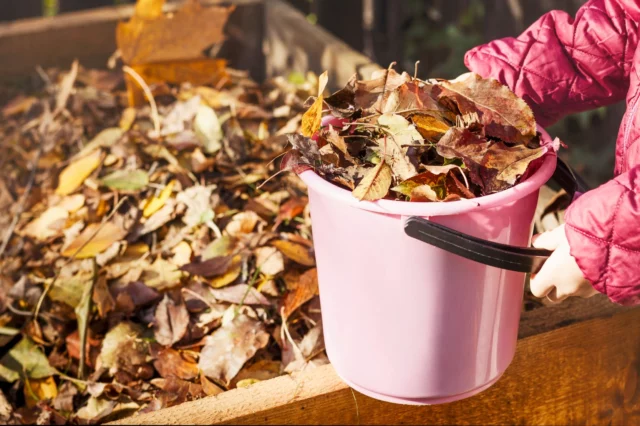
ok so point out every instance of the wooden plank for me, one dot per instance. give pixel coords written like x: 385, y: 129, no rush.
x: 585, y: 373
x: 292, y: 44
x: 570, y: 311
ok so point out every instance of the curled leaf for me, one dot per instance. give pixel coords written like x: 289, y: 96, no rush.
x: 375, y: 184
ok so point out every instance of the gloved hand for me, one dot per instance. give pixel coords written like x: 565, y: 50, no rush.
x: 560, y: 276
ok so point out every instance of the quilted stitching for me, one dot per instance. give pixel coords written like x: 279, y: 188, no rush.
x: 562, y: 65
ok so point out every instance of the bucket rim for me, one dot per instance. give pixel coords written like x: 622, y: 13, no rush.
x: 428, y: 209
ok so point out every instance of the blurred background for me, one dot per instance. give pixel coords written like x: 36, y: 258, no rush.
x: 435, y: 32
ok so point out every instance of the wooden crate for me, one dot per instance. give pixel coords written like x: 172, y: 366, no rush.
x: 576, y: 363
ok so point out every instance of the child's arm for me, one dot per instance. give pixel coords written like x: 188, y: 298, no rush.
x: 562, y: 65
x: 559, y: 66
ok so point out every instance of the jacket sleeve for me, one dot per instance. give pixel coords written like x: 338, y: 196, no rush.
x: 603, y: 229
x: 562, y: 65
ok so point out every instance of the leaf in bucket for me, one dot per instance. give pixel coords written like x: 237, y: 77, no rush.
x: 126, y: 180
x: 74, y: 175
x: 91, y: 245
x: 313, y: 117
x: 375, y: 184
x: 392, y: 146
x: 430, y: 126
x: 504, y: 115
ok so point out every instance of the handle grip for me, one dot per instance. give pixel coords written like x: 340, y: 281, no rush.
x: 513, y: 258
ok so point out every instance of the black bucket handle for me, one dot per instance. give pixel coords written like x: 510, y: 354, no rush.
x: 513, y: 258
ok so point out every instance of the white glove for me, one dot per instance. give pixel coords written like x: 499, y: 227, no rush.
x: 560, y: 276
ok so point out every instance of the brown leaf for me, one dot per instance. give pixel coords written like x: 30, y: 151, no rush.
x: 269, y: 260
x: 371, y: 95
x: 170, y: 363
x: 306, y: 288
x: 240, y: 294
x: 151, y: 38
x: 171, y: 321
x: 209, y: 268
x: 375, y: 184
x: 295, y: 252
x: 504, y: 115
x: 230, y: 276
x: 230, y: 346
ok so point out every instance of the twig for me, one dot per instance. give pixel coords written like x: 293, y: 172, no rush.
x: 145, y: 88
x: 73, y: 256
x: 85, y: 325
x: 25, y: 194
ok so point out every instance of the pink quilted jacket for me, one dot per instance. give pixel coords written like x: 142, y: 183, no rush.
x: 562, y: 65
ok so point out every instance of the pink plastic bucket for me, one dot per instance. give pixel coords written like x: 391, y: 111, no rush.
x: 407, y: 322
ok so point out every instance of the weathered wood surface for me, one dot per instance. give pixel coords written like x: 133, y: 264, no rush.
x: 585, y: 373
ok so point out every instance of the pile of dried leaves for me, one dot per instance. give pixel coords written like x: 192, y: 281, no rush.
x: 146, y: 258
x: 401, y: 138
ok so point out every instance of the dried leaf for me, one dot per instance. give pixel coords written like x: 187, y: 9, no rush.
x: 105, y: 139
x: 392, y: 149
x: 312, y: 118
x: 153, y: 204
x: 208, y: 130
x: 170, y: 363
x: 209, y: 268
x: 504, y: 115
x: 430, y: 127
x: 306, y: 288
x: 197, y: 199
x: 171, y: 321
x: 74, y: 175
x: 36, y: 390
x: 90, y: 245
x: 121, y: 347
x: 242, y: 223
x: 239, y: 294
x: 230, y: 346
x: 150, y: 38
x: 27, y: 361
x: 161, y: 275
x: 66, y: 87
x: 295, y: 252
x: 126, y: 180
x: 48, y: 225
x: 375, y: 184
x: 233, y: 272
x: 269, y: 260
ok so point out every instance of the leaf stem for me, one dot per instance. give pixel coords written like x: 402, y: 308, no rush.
x: 145, y: 88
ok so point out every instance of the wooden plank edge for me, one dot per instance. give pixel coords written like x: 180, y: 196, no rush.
x: 582, y: 373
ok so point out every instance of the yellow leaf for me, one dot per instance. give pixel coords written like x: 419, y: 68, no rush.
x: 296, y: 252
x: 36, y: 390
x: 108, y: 234
x: 312, y: 119
x: 149, y: 9
x: 196, y: 71
x: 154, y: 203
x: 128, y: 117
x: 74, y: 175
x: 230, y: 276
x: 430, y: 127
x: 245, y: 383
